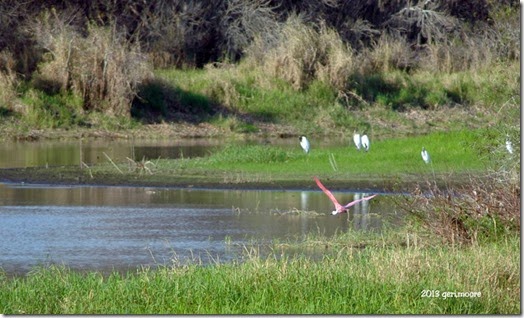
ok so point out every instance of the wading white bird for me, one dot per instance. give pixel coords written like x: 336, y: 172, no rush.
x: 304, y: 143
x: 365, y: 142
x: 338, y: 207
x: 357, y: 141
x: 425, y: 155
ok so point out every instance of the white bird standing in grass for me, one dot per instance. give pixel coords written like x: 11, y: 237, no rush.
x: 357, y: 141
x: 339, y: 208
x: 509, y: 146
x: 304, y: 143
x: 365, y: 142
x: 425, y: 155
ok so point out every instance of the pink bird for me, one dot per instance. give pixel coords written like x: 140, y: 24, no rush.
x: 338, y: 207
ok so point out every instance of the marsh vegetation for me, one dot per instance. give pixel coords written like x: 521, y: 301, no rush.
x: 440, y: 74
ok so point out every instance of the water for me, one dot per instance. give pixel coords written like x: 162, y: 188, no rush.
x: 121, y: 228
x: 52, y: 153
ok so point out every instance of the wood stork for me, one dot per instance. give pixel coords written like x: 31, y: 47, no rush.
x: 357, y: 141
x: 338, y: 207
x: 365, y: 142
x: 304, y: 143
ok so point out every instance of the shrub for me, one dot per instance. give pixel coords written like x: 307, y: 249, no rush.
x: 482, y: 209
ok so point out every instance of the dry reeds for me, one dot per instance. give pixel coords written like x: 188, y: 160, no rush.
x: 101, y: 66
x: 388, y: 53
x: 8, y: 80
x: 304, y: 53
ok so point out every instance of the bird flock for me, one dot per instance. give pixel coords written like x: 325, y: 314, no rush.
x: 362, y: 142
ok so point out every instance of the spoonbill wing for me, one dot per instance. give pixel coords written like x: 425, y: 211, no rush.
x: 359, y: 200
x: 329, y: 194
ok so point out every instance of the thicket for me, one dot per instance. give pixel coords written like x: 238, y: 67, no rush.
x: 97, y: 54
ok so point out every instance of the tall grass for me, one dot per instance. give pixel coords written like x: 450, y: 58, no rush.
x: 8, y: 81
x: 368, y: 281
x: 310, y: 75
x: 100, y: 67
x: 304, y: 54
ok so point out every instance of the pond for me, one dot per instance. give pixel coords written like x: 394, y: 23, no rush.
x: 120, y: 228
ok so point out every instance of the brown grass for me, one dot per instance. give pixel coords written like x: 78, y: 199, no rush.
x: 388, y: 53
x: 8, y: 80
x: 101, y: 67
x: 304, y: 53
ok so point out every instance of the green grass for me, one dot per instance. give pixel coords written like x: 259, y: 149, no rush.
x: 319, y: 109
x: 373, y: 280
x: 391, y: 164
x: 450, y: 152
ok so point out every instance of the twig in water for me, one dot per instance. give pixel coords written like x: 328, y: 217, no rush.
x: 141, y: 165
x: 83, y: 164
x: 112, y: 163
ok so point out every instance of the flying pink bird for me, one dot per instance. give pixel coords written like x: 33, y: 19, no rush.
x: 338, y: 207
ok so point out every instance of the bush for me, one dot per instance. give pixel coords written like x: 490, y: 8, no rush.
x: 484, y: 209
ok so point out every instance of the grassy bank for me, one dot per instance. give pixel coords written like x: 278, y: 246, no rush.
x: 390, y: 163
x: 375, y: 280
x: 245, y: 100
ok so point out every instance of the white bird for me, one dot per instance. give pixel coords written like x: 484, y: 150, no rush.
x: 304, y: 143
x: 365, y: 142
x: 425, y: 155
x: 509, y: 146
x: 338, y: 207
x: 357, y: 141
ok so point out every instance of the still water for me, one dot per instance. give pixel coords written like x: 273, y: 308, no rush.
x: 121, y: 228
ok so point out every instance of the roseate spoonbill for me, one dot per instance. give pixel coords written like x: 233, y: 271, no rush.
x: 365, y: 142
x: 338, y: 207
x: 357, y: 141
x: 425, y: 155
x: 304, y: 143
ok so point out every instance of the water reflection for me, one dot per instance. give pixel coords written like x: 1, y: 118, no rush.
x: 124, y: 227
x: 361, y: 212
x: 38, y: 154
